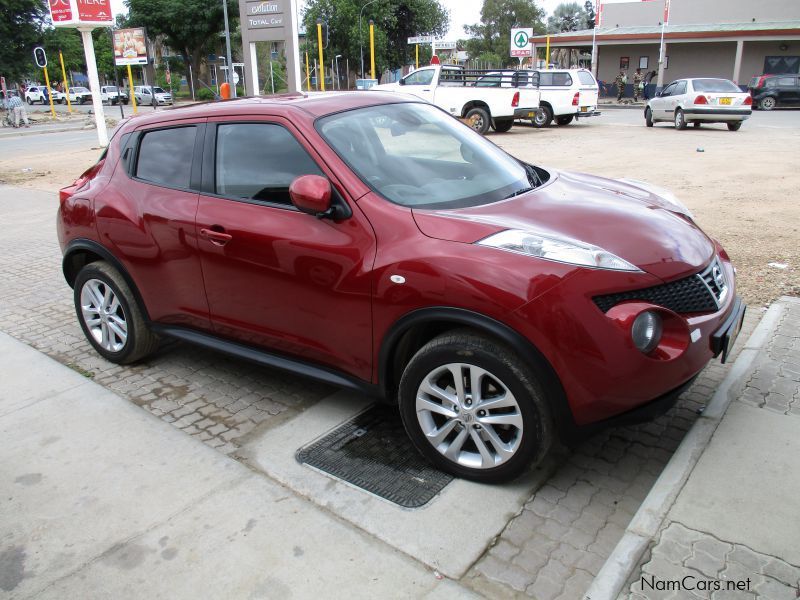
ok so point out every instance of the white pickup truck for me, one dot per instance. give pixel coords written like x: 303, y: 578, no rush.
x: 455, y: 90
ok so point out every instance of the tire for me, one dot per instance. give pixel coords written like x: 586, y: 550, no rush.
x: 125, y: 102
x: 81, y: 100
x: 680, y: 119
x: 564, y: 119
x: 648, y: 117
x: 522, y: 425
x: 543, y: 117
x: 735, y: 126
x: 503, y: 125
x: 482, y: 119
x: 29, y: 101
x: 767, y: 103
x: 118, y: 332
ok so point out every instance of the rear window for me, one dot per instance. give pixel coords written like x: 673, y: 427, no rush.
x: 165, y: 156
x: 715, y: 85
x: 586, y: 78
x: 554, y: 79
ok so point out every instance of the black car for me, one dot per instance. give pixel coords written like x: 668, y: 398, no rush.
x: 769, y: 91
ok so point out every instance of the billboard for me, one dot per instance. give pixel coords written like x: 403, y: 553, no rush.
x: 130, y: 46
x: 72, y: 13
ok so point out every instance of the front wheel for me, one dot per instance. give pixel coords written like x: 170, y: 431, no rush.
x: 648, y: 117
x: 503, y: 125
x: 109, y: 315
x: 478, y: 118
x: 564, y: 119
x: 680, y: 119
x: 29, y: 101
x: 736, y: 126
x: 543, y: 117
x: 473, y: 408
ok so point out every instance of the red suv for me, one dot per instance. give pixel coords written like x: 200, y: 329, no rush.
x: 376, y: 243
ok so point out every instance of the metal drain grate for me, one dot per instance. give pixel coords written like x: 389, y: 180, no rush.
x: 373, y: 452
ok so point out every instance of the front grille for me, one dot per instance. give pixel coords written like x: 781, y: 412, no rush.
x: 702, y: 292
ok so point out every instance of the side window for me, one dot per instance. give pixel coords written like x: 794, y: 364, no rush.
x: 562, y: 79
x: 772, y: 83
x: 586, y: 78
x: 680, y: 88
x: 259, y: 162
x: 420, y: 77
x: 165, y: 156
x: 669, y: 90
x: 786, y: 82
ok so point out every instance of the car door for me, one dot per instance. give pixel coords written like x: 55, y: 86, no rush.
x: 788, y: 90
x: 420, y: 83
x: 666, y: 102
x: 276, y: 277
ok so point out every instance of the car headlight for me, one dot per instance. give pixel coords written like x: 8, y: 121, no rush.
x: 557, y: 249
x: 670, y: 200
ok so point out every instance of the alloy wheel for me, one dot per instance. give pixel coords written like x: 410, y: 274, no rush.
x: 103, y: 315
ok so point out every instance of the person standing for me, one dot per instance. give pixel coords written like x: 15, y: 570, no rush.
x: 620, y: 82
x: 647, y: 79
x: 16, y: 104
x: 638, y: 84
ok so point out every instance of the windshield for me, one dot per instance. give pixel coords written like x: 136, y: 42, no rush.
x: 715, y: 85
x: 158, y: 90
x: 111, y: 88
x: 417, y: 155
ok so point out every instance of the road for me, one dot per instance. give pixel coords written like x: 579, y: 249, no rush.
x: 780, y: 118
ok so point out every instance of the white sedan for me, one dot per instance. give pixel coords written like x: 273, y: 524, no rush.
x: 700, y: 100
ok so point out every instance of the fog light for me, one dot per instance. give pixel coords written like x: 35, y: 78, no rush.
x: 646, y: 331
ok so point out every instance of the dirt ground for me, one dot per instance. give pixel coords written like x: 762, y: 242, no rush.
x: 742, y: 189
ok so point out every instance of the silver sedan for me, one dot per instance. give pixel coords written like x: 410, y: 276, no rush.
x: 700, y: 100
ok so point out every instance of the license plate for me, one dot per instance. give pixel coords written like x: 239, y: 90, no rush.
x: 584, y: 109
x: 724, y: 100
x: 531, y: 115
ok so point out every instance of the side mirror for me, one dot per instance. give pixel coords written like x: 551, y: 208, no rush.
x: 402, y: 81
x: 311, y: 194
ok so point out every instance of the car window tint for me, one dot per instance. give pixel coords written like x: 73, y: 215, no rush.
x: 669, y: 90
x: 715, y: 85
x: 420, y: 77
x: 546, y: 79
x: 259, y: 162
x: 586, y: 78
x: 772, y: 82
x: 680, y: 88
x: 165, y: 156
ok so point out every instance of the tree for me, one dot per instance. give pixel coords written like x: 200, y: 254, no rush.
x: 21, y: 24
x: 395, y: 21
x: 568, y: 16
x: 493, y: 33
x: 190, y: 27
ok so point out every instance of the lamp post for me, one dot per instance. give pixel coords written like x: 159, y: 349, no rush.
x: 229, y: 72
x: 361, y: 37
x: 338, y: 79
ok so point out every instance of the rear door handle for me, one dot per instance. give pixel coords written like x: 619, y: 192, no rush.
x: 220, y: 238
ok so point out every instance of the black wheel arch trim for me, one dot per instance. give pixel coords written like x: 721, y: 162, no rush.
x: 542, y: 368
x: 82, y: 244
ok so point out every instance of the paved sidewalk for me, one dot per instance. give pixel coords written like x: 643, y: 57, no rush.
x: 99, y: 499
x: 733, y: 530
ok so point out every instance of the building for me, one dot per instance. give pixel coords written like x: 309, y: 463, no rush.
x: 733, y: 39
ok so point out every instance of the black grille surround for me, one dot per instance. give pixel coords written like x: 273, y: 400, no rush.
x: 699, y: 293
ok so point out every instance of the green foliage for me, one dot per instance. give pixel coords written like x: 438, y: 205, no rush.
x: 395, y: 21
x: 567, y: 16
x: 204, y: 94
x: 493, y: 33
x: 21, y: 25
x: 67, y: 40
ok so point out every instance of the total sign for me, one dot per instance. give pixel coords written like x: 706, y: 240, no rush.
x: 521, y: 42
x: 72, y: 13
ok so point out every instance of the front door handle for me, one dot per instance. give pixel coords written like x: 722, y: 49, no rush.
x: 219, y: 238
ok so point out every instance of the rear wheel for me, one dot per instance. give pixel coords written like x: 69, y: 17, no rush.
x: 648, y: 117
x: 767, y: 103
x: 564, y: 119
x: 503, y: 125
x: 479, y: 119
x: 543, y: 117
x: 473, y: 408
x: 680, y: 119
x: 735, y: 126
x: 109, y: 315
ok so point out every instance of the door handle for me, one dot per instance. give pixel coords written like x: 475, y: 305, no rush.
x: 219, y: 238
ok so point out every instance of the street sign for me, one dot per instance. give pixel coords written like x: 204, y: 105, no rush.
x: 40, y: 57
x: 521, y: 42
x: 441, y: 45
x: 421, y: 39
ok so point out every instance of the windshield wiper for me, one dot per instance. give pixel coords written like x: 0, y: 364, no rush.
x: 518, y: 192
x: 533, y: 175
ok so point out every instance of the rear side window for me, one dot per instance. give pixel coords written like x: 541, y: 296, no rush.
x: 586, y: 78
x: 259, y: 162
x: 554, y: 79
x: 165, y: 156
x: 786, y: 81
x: 680, y: 88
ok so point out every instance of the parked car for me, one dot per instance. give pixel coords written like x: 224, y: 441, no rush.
x: 453, y: 89
x: 111, y: 94
x: 698, y: 101
x: 372, y: 241
x: 36, y: 93
x: 769, y: 91
x: 79, y: 95
x: 566, y: 94
x: 526, y: 82
x: 144, y: 95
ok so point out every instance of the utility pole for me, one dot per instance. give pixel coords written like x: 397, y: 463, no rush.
x: 228, y: 74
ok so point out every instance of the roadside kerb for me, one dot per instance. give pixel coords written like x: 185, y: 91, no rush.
x: 32, y: 131
x: 645, y: 524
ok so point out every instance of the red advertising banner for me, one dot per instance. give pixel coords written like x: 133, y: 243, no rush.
x: 60, y: 10
x: 95, y: 11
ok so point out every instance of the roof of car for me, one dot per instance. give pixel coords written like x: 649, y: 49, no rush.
x: 315, y: 104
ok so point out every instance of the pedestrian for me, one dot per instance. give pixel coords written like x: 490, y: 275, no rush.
x: 638, y: 84
x: 16, y: 104
x: 647, y: 79
x: 621, y: 81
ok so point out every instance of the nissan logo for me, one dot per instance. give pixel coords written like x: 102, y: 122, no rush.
x: 719, y: 278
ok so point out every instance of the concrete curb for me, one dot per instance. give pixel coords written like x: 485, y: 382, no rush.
x: 16, y: 133
x: 645, y: 524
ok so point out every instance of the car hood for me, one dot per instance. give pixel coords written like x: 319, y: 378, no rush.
x: 622, y: 218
